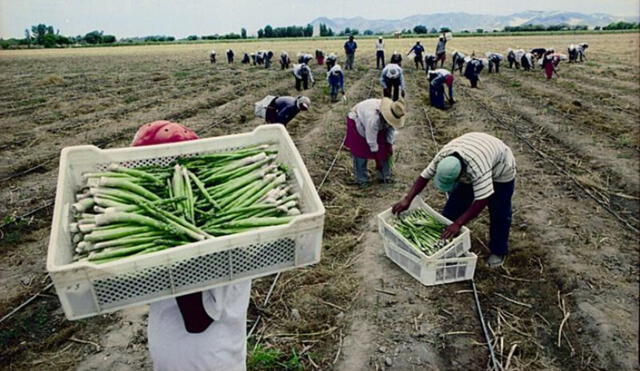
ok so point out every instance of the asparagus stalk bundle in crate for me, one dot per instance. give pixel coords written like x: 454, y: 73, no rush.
x: 123, y: 212
x: 421, y: 230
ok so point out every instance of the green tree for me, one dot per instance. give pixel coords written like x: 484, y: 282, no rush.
x: 260, y: 33
x: 479, y: 30
x: 420, y: 29
x: 268, y: 31
x: 108, y: 39
x: 445, y: 29
x: 308, y: 31
x: 93, y: 37
x: 433, y: 30
x: 368, y: 32
x: 27, y: 37
x: 38, y: 32
x: 192, y: 37
x: 243, y: 33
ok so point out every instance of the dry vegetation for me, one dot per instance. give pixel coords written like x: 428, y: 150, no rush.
x: 574, y: 242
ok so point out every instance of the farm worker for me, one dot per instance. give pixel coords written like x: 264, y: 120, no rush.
x: 350, y: 50
x: 370, y: 135
x: 331, y: 61
x: 253, y: 59
x: 441, y: 52
x: 392, y: 81
x: 417, y: 50
x: 511, y: 58
x: 379, y: 53
x: 200, y: 331
x: 245, y: 59
x: 527, y: 61
x: 494, y: 60
x: 229, y: 56
x: 429, y: 62
x: 549, y: 63
x: 476, y: 170
x: 457, y: 61
x: 212, y: 56
x: 437, y: 80
x: 281, y: 110
x: 538, y: 53
x: 303, y: 75
x: 319, y: 57
x: 267, y: 58
x: 260, y: 56
x: 396, y: 58
x: 472, y: 71
x: 304, y: 58
x: 335, y: 78
x: 577, y: 51
x: 285, y: 61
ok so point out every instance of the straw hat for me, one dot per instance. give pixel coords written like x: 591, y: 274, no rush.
x: 393, y: 112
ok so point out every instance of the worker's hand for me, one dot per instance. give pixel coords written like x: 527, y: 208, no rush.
x: 402, y: 93
x: 313, y: 84
x: 451, y: 231
x: 400, y: 206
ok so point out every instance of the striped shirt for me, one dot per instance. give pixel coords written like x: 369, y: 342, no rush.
x: 486, y: 160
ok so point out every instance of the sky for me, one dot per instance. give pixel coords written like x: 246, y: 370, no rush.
x: 179, y: 18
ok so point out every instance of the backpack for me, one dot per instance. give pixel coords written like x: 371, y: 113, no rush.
x: 260, y: 107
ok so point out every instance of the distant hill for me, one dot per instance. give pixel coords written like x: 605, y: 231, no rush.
x: 465, y: 21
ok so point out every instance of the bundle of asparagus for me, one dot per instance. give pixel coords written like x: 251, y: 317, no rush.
x: 422, y: 230
x: 123, y: 212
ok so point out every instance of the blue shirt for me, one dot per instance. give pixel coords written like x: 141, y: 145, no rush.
x: 286, y: 109
x: 418, y: 49
x: 350, y: 47
x: 334, y: 80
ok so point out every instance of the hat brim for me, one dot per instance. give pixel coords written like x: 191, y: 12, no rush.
x: 389, y: 117
x: 443, y: 186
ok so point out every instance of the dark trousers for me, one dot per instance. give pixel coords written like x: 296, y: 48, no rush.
x: 436, y: 95
x: 499, y: 211
x: 349, y: 63
x: 300, y: 83
x: 380, y: 59
x: 493, y: 65
x: 334, y: 92
x: 418, y: 61
x: 392, y: 90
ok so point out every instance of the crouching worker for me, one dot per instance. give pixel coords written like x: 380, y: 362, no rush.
x: 494, y: 60
x: 212, y: 57
x: 396, y: 58
x: 472, y: 71
x: 392, y: 81
x: 476, y: 170
x: 370, y: 135
x: 203, y: 330
x: 335, y: 78
x: 319, y: 57
x: 229, y: 56
x: 281, y: 110
x: 437, y: 81
x: 285, y: 61
x: 303, y: 75
x: 245, y: 59
x: 429, y: 62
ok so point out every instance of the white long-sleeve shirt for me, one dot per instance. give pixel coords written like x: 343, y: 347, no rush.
x: 297, y: 69
x: 379, y: 46
x: 366, y: 114
x: 222, y: 346
x: 388, y: 71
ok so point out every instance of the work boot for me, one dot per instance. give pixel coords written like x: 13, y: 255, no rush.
x: 495, y: 261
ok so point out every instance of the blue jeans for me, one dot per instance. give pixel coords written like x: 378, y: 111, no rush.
x: 334, y: 91
x: 499, y: 211
x: 360, y: 170
x: 436, y: 93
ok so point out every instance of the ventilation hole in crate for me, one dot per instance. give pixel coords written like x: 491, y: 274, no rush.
x: 450, y: 272
x: 201, y: 269
x: 405, y: 263
x: 161, y: 161
x: 116, y: 289
x: 462, y: 271
x: 399, y: 243
x: 260, y: 256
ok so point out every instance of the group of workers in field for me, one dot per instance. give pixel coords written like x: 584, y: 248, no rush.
x: 207, y: 330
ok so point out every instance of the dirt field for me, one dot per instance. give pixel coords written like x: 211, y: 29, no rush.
x: 574, y: 240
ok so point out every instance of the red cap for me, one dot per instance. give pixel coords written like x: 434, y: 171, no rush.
x: 161, y: 132
x: 448, y: 80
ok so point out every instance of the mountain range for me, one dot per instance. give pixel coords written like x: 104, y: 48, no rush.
x: 465, y: 21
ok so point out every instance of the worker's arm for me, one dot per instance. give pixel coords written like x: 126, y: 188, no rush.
x: 382, y: 82
x: 195, y: 317
x: 412, y: 49
x: 472, y: 212
x: 417, y: 187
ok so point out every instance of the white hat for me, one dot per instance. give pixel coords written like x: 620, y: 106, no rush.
x: 303, y: 102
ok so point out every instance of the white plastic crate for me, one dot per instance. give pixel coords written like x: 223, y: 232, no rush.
x: 457, y: 247
x: 86, y: 289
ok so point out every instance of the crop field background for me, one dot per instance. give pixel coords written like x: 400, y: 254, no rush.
x: 574, y: 240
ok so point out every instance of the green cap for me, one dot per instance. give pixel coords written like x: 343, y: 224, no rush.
x: 447, y: 173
